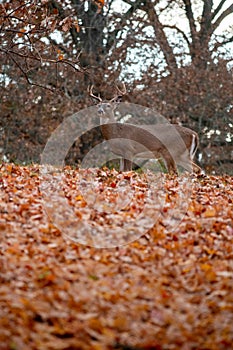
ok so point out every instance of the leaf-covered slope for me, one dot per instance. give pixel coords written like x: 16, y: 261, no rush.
x: 167, y: 290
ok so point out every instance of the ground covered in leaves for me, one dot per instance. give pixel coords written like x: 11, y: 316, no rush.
x: 166, y: 290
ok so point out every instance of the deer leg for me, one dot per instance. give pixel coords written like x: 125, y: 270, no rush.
x: 127, y: 165
x: 170, y: 163
x: 122, y: 164
x: 186, y: 164
x: 172, y: 168
x: 196, y: 168
x: 162, y: 164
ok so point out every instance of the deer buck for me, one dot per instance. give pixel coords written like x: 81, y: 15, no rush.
x: 173, y: 143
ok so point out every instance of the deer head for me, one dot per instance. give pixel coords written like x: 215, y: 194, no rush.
x: 106, y: 109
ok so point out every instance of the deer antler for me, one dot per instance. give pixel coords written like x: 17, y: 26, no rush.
x: 94, y: 96
x: 121, y: 92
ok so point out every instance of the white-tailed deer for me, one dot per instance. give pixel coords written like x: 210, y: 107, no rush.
x: 173, y: 143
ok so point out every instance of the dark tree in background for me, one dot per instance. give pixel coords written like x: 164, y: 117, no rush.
x: 175, y: 56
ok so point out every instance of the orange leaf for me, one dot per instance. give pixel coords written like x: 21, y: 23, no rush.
x: 60, y: 57
x: 209, y: 213
x: 21, y: 32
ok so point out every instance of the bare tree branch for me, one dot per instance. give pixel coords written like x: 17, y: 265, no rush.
x: 223, y: 15
x: 218, y: 9
x: 222, y: 43
x: 207, y: 8
x: 26, y: 76
x: 113, y: 35
x: 160, y: 35
x: 179, y: 31
x: 206, y: 17
x: 75, y: 64
x: 190, y: 16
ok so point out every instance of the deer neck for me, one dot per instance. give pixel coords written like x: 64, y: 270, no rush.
x: 112, y: 130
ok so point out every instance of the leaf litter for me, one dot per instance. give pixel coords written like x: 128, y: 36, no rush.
x: 168, y: 289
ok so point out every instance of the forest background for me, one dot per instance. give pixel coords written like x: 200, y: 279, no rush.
x: 174, y: 56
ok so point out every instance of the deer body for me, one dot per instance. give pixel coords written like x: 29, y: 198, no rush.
x: 173, y: 143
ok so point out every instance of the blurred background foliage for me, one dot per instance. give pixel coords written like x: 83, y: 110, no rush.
x: 174, y: 56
